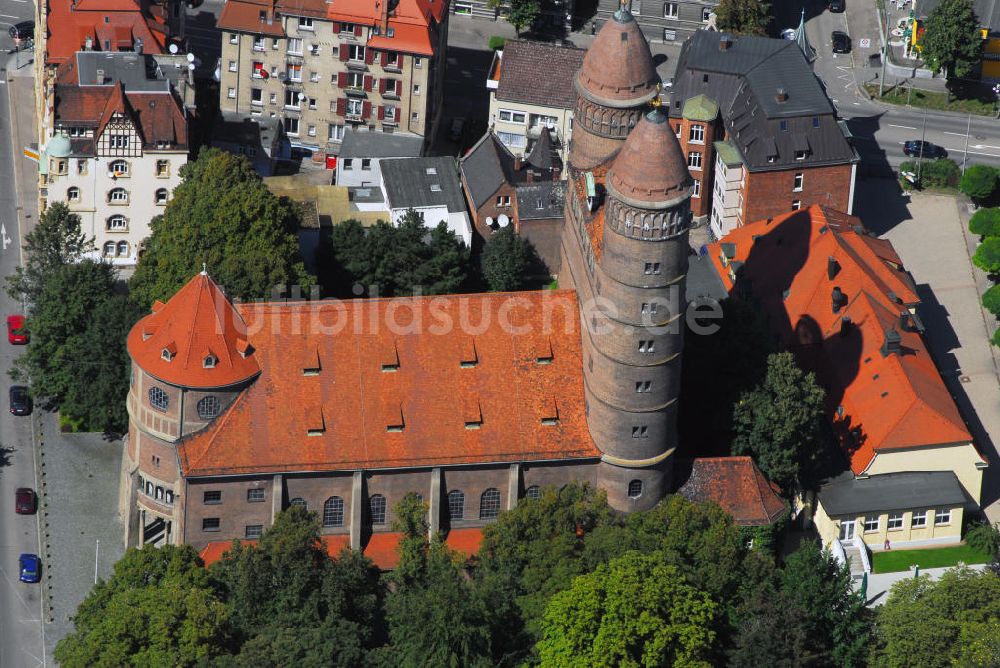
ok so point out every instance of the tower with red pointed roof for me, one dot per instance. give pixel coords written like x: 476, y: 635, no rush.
x: 624, y: 248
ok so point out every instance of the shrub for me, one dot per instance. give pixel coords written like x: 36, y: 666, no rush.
x: 942, y: 173
x: 979, y: 182
x: 991, y: 300
x: 987, y: 256
x: 985, y: 537
x: 497, y: 42
x: 996, y: 338
x: 985, y: 222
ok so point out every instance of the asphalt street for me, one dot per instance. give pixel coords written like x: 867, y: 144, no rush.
x: 21, y: 631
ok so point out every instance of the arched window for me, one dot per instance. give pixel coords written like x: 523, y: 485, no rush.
x: 533, y: 492
x: 119, y: 167
x: 158, y: 399
x: 118, y: 196
x: 209, y: 361
x: 333, y: 512
x: 377, y: 506
x: 122, y: 249
x: 109, y: 249
x: 635, y: 489
x: 159, y: 493
x: 489, y: 504
x: 118, y: 223
x: 161, y: 196
x: 298, y: 501
x: 169, y: 497
x: 73, y: 194
x: 209, y: 407
x: 149, y: 488
x: 456, y: 505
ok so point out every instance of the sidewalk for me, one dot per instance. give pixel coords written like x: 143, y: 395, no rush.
x: 21, y: 97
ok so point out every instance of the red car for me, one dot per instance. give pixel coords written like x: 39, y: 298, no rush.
x: 25, y: 501
x: 16, y: 333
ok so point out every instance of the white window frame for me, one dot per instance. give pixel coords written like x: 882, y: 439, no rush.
x: 288, y: 122
x: 869, y: 521
x: 671, y: 11
x: 513, y: 116
x: 918, y: 519
x: 694, y: 160
x: 895, y: 522
x: 118, y: 218
x: 696, y: 189
x: 942, y: 517
x: 294, y: 46
x: 696, y: 134
x: 798, y: 182
x: 706, y: 14
x: 232, y: 66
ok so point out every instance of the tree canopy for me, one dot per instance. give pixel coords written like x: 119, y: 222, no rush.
x: 780, y: 423
x: 951, y: 40
x: 743, y: 17
x: 506, y: 260
x: 987, y: 255
x: 222, y: 216
x: 979, y: 182
x: 394, y: 260
x: 985, y: 222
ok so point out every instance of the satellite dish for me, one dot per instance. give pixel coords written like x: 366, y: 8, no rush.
x: 503, y: 220
x: 190, y: 57
x: 302, y: 96
x: 191, y: 66
x: 489, y: 223
x: 173, y: 49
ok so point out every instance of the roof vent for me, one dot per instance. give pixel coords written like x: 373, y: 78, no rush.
x: 892, y: 343
x: 832, y: 267
x: 724, y: 43
x: 837, y: 297
x: 781, y: 95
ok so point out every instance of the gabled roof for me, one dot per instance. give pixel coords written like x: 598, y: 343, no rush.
x: 383, y: 400
x: 198, y: 322
x: 120, y: 22
x: 833, y: 296
x: 539, y: 73
x: 736, y: 484
x: 486, y: 167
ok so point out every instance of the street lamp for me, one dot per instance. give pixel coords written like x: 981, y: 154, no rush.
x: 996, y: 92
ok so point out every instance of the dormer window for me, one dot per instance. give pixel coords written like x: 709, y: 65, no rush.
x: 244, y: 348
x: 210, y: 361
x: 168, y: 352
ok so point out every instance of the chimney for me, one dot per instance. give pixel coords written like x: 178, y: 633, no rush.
x: 905, y: 323
x: 88, y: 44
x: 892, y: 343
x: 724, y: 43
x: 517, y: 163
x: 832, y: 268
x: 845, y: 325
x: 383, y: 15
x: 781, y: 95
x: 837, y: 297
x: 530, y: 176
x: 99, y: 77
x: 556, y: 173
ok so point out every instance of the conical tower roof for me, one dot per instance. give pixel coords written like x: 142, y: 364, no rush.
x: 197, y: 339
x: 618, y: 69
x: 650, y: 170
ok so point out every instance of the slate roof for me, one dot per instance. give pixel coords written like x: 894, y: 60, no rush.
x: 736, y: 484
x: 703, y: 281
x: 408, y: 183
x: 368, y: 144
x: 847, y: 495
x: 539, y: 73
x: 486, y: 167
x: 745, y: 80
x: 530, y: 195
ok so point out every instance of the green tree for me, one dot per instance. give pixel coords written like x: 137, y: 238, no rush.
x: 985, y: 537
x: 222, y: 216
x: 780, y: 423
x: 743, y: 17
x: 287, y: 584
x: 985, y: 222
x: 926, y: 624
x: 391, y: 261
x: 158, y: 609
x: 522, y: 13
x: 56, y: 241
x: 836, y: 619
x: 435, y: 615
x: 991, y: 300
x: 634, y: 611
x: 506, y: 260
x: 987, y: 255
x: 951, y: 40
x: 979, y: 182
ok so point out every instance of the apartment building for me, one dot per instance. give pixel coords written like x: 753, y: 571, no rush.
x: 662, y: 22
x: 119, y: 141
x: 320, y: 68
x: 531, y: 89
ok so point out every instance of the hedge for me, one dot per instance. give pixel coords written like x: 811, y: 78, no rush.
x: 985, y: 222
x: 940, y: 173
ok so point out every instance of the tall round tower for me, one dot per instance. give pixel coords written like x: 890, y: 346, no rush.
x: 633, y: 335
x: 613, y: 86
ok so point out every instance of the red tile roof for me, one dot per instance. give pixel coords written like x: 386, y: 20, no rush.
x: 382, y: 548
x: 736, y: 484
x: 876, y: 402
x: 119, y: 21
x: 386, y: 390
x: 196, y: 323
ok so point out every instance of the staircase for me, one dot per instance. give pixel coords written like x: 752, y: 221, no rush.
x: 854, y: 559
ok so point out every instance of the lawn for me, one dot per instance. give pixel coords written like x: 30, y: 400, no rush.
x: 901, y: 560
x: 934, y: 100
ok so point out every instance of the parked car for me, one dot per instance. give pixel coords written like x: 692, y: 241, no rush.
x: 16, y: 333
x: 841, y: 42
x: 20, y: 400
x: 924, y: 149
x: 837, y: 6
x: 25, y: 501
x: 30, y: 568
x: 22, y: 30
x: 456, y: 129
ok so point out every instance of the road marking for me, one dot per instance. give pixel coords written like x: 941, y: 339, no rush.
x: 957, y: 134
x: 3, y: 235
x: 857, y: 104
x: 904, y: 127
x: 10, y: 16
x: 985, y: 146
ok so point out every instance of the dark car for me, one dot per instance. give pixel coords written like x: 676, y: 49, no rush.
x: 924, y: 149
x: 30, y: 568
x: 25, y: 501
x: 22, y: 30
x: 457, y: 129
x: 20, y: 401
x: 841, y: 42
x: 837, y: 6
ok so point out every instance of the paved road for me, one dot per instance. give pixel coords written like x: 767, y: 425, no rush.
x: 20, y: 604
